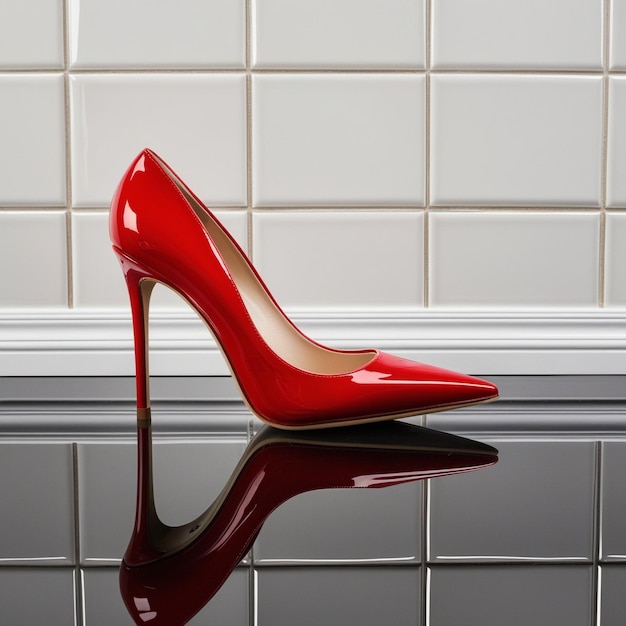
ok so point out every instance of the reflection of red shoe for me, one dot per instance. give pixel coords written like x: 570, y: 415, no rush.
x: 169, y: 574
x: 163, y: 233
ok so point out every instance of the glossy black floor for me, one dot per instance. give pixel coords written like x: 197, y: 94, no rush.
x: 538, y: 537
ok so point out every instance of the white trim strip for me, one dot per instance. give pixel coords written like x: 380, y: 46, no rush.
x: 79, y: 343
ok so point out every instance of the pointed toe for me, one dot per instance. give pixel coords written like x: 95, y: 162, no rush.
x: 413, y: 388
x: 462, y: 390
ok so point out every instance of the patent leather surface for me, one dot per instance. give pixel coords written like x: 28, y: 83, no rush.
x: 160, y: 237
x: 169, y: 588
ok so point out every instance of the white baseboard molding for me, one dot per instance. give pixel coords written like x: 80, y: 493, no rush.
x: 99, y: 343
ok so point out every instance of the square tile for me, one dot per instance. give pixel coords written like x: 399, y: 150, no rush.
x: 513, y: 259
x: 535, y: 503
x: 37, y: 596
x: 339, y: 533
x: 612, y: 598
x: 196, y: 122
x: 338, y: 140
x: 31, y: 43
x: 615, y: 262
x: 32, y: 151
x: 102, y: 600
x: 97, y: 276
x: 617, y: 52
x: 231, y: 604
x: 38, y: 241
x: 130, y: 34
x: 325, y: 258
x: 508, y: 140
x: 103, y: 604
x: 616, y: 151
x: 517, y: 34
x: 368, y: 596
x: 106, y: 495
x: 187, y: 477
x: 613, y: 514
x: 338, y: 34
x: 37, y: 524
x: 515, y: 596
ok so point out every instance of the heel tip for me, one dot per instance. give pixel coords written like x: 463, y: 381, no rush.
x: 144, y: 418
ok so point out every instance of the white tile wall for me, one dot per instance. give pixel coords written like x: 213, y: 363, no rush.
x: 198, y: 119
x: 33, y: 258
x: 616, y: 187
x: 417, y: 106
x: 341, y: 258
x: 516, y: 140
x: 31, y: 43
x: 333, y: 139
x: 615, y: 259
x: 338, y: 34
x: 130, y: 34
x: 618, y: 35
x: 507, y: 259
x: 96, y: 277
x: 32, y: 150
x: 534, y: 34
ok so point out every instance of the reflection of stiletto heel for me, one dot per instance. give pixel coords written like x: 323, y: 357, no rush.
x: 169, y: 574
x: 163, y: 233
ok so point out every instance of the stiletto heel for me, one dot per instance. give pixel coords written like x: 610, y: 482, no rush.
x: 163, y: 233
x: 169, y: 574
x: 139, y: 291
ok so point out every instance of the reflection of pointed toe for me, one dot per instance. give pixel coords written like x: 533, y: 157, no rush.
x: 169, y: 574
x: 162, y: 233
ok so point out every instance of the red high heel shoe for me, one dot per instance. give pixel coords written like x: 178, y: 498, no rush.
x: 169, y: 574
x: 163, y: 233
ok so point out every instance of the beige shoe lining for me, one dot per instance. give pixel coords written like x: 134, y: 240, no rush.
x: 279, y: 334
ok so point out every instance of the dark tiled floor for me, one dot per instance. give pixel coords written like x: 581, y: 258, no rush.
x: 538, y: 538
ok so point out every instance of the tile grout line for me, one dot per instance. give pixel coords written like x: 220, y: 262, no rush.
x: 68, y: 160
x: 596, y: 534
x: 248, y: 62
x: 427, y: 95
x: 425, y: 533
x: 504, y: 71
x: 78, y: 574
x: 250, y: 569
x: 320, y: 208
x: 604, y: 155
x: 425, y: 543
x: 338, y: 207
x: 425, y: 503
